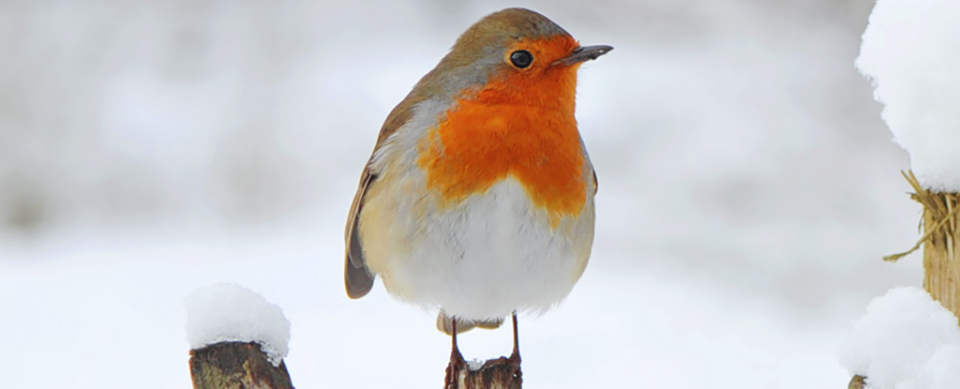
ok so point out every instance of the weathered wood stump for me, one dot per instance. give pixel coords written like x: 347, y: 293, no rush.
x: 499, y: 373
x: 857, y: 382
x: 236, y: 365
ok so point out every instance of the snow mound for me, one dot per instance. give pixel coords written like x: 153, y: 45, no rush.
x: 911, y: 52
x: 905, y: 341
x: 229, y: 312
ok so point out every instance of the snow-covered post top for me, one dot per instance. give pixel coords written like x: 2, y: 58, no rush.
x: 911, y: 53
x: 237, y: 339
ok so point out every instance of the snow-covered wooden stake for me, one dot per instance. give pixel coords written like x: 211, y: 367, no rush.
x: 236, y: 365
x: 911, y: 53
x: 237, y: 339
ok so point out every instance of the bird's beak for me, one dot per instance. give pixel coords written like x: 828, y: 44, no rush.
x: 584, y: 53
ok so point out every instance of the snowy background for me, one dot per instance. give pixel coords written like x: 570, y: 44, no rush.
x: 748, y: 189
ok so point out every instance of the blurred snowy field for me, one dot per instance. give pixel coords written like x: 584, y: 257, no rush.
x: 748, y: 189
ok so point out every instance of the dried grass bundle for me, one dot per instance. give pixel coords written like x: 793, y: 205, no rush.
x: 941, y: 260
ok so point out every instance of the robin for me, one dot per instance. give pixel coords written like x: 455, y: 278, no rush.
x: 479, y: 196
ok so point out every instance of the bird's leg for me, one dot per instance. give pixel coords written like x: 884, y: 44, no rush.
x: 455, y: 355
x: 456, y: 360
x: 515, y: 356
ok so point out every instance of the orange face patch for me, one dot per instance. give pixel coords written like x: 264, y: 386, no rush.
x: 520, y: 124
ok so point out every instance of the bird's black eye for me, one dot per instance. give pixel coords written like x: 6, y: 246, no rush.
x: 521, y: 58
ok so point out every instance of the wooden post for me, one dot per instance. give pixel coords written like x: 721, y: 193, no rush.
x: 858, y: 382
x: 941, y: 257
x: 500, y: 373
x: 236, y: 365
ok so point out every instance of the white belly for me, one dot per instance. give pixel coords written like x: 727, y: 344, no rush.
x: 484, y: 258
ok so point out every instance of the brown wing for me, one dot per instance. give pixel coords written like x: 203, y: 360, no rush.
x: 359, y: 279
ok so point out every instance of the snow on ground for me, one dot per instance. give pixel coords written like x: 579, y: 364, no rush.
x: 232, y: 313
x: 107, y: 315
x: 906, y: 340
x: 148, y: 149
x: 911, y: 52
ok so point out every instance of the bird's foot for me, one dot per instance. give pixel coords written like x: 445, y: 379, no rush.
x: 454, y: 367
x: 515, y: 359
x: 500, y: 372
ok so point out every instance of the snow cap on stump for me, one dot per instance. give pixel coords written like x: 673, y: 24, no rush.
x: 232, y: 313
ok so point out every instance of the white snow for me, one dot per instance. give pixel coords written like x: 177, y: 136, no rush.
x: 475, y: 364
x: 911, y: 52
x: 747, y: 190
x: 905, y: 341
x: 229, y: 312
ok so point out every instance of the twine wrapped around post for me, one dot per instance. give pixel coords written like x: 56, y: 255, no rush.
x: 941, y: 258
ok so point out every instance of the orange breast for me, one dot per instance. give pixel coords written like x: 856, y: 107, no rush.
x: 527, y: 132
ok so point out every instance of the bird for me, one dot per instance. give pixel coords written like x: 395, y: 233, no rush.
x: 478, y: 198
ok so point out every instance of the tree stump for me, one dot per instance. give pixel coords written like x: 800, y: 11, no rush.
x: 236, y: 365
x: 857, y: 382
x: 499, y: 373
